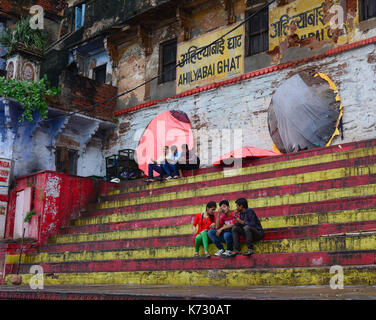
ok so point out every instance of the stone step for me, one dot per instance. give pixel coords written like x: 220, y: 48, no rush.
x: 305, y: 155
x: 262, y: 186
x: 281, y: 211
x: 353, y: 275
x: 353, y: 241
x: 267, y: 222
x: 353, y: 158
x: 266, y: 261
x: 358, y: 186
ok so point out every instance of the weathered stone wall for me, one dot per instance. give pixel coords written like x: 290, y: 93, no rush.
x: 244, y: 105
x: 205, y: 16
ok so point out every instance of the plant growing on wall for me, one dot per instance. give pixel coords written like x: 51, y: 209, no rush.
x: 23, y: 35
x: 31, y: 94
x: 29, y: 215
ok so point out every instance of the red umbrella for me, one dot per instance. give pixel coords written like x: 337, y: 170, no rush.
x: 245, y: 152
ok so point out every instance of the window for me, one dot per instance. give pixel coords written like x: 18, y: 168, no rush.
x: 99, y: 73
x: 79, y: 16
x: 258, y: 32
x: 367, y: 9
x: 168, y: 61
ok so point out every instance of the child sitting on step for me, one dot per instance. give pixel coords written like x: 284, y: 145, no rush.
x: 202, y: 223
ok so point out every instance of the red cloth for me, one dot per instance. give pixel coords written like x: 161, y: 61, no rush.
x: 206, y: 222
x: 245, y: 152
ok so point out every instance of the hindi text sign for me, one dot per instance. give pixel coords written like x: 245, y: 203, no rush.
x: 204, y: 60
x: 307, y: 16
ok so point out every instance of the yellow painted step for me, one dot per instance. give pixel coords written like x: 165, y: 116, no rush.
x: 306, y: 197
x: 247, y: 186
x: 319, y: 218
x: 123, y: 234
x: 357, y: 153
x: 315, y: 219
x: 290, y: 221
x: 331, y: 244
x: 240, y: 277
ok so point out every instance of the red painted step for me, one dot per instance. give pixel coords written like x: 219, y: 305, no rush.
x: 129, y: 225
x: 284, y: 157
x: 353, y: 203
x: 57, y: 294
x: 187, y: 240
x: 249, y: 194
x: 363, y: 202
x: 277, y: 233
x: 274, y: 260
x: 364, y: 161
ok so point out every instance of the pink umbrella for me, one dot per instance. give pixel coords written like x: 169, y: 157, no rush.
x: 245, y: 152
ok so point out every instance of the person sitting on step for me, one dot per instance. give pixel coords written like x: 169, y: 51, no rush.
x: 188, y: 160
x: 201, y: 224
x: 247, y: 225
x: 157, y: 166
x: 222, y: 231
x: 171, y: 163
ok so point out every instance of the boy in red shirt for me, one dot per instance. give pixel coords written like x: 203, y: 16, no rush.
x: 222, y: 231
x: 201, y: 224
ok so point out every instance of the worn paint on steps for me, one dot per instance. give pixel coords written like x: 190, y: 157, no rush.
x: 276, y: 260
x: 289, y: 199
x: 357, y: 153
x: 247, y: 186
x: 267, y: 222
x: 240, y: 277
x: 240, y: 179
x: 333, y: 244
x: 258, y: 197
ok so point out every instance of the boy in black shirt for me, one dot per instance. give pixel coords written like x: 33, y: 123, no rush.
x: 248, y: 225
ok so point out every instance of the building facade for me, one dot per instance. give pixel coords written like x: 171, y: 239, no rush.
x: 232, y: 89
x: 122, y: 63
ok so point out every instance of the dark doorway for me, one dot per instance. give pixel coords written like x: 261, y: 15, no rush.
x: 66, y: 160
x: 100, y: 73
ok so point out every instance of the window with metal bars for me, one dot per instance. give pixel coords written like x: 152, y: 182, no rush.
x: 367, y: 9
x: 258, y: 32
x: 168, y: 61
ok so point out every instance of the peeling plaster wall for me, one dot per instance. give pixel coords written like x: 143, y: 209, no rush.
x: 131, y: 73
x: 208, y: 17
x: 32, y: 147
x: 92, y: 162
x: 30, y: 153
x: 353, y: 72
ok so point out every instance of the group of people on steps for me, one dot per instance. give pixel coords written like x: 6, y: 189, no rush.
x: 221, y: 227
x: 226, y: 227
x: 172, y: 163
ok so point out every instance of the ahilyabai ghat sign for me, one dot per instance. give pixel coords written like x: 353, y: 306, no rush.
x: 200, y: 64
x: 309, y: 18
